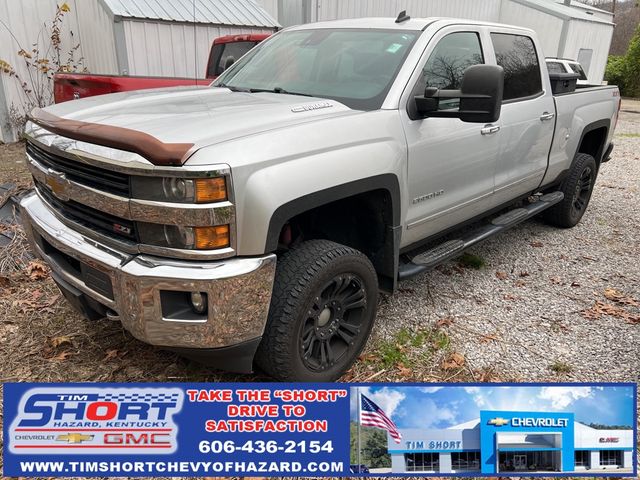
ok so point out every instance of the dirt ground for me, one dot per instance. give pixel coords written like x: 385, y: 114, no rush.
x: 475, y: 319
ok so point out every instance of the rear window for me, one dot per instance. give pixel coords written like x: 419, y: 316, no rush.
x: 577, y: 68
x: 223, y: 55
x: 517, y: 55
x: 555, y: 67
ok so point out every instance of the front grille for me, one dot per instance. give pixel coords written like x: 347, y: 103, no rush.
x: 95, y: 177
x: 109, y: 225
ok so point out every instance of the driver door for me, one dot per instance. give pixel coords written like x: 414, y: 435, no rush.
x: 450, y: 163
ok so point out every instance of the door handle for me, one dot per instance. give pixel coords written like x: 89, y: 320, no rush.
x: 547, y: 116
x: 490, y: 130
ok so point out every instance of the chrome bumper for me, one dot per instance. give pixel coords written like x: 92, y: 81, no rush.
x: 238, y: 289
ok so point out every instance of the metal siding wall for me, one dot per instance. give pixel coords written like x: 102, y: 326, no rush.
x: 546, y: 26
x: 170, y: 49
x: 487, y: 10
x: 594, y: 36
x: 271, y: 6
x: 90, y: 25
x: 291, y: 12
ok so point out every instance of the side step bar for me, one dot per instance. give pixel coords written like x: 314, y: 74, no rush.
x: 454, y: 248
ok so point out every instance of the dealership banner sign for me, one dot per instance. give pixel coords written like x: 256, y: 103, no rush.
x: 251, y: 429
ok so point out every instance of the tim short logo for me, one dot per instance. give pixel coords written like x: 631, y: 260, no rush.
x: 95, y: 420
x: 498, y: 421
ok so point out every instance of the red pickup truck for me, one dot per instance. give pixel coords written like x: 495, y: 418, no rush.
x: 224, y: 51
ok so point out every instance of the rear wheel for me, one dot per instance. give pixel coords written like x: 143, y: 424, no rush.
x: 322, y: 311
x: 577, y: 189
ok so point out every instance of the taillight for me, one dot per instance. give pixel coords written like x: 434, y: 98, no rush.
x: 616, y: 93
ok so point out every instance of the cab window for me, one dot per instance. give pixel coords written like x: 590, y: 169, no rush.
x: 555, y: 67
x: 445, y: 66
x: 517, y: 55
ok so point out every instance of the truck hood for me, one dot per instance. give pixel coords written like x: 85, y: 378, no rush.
x: 180, y: 120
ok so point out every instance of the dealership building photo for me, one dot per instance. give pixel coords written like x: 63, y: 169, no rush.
x: 513, y: 441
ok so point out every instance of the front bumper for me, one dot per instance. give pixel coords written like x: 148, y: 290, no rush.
x: 142, y: 291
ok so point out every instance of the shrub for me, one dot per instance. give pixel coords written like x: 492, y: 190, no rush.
x: 624, y: 70
x: 41, y: 63
x: 615, y: 72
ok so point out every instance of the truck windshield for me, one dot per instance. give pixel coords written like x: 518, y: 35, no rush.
x: 354, y: 67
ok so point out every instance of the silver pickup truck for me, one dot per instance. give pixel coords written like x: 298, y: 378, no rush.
x: 254, y: 222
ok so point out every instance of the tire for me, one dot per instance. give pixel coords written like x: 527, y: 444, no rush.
x: 577, y: 189
x: 322, y: 311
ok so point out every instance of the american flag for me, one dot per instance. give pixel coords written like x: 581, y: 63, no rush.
x: 371, y: 415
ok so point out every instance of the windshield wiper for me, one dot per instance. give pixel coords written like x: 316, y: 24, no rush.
x: 261, y: 90
x: 279, y: 90
x: 234, y: 89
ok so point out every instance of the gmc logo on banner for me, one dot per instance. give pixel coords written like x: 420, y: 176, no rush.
x: 609, y: 440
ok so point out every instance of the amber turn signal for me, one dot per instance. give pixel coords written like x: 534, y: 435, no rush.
x: 207, y: 238
x: 210, y: 190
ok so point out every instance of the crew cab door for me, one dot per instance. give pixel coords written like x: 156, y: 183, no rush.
x: 527, y: 116
x: 451, y: 163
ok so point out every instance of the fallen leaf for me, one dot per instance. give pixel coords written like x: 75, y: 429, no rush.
x: 62, y: 356
x: 575, y: 284
x: 404, y: 371
x: 502, y: 275
x: 618, y: 297
x: 600, y: 308
x: 444, y: 322
x: 537, y: 244
x: 55, y: 342
x: 4, y: 282
x: 453, y: 362
x: 485, y: 375
x: 489, y: 338
x: 37, y: 270
x: 520, y: 283
x: 111, y: 354
x: 524, y: 274
x: 555, y: 280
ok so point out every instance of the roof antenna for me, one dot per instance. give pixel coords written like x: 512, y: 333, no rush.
x: 403, y: 17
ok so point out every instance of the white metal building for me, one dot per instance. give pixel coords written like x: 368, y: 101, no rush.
x: 566, y: 28
x: 516, y: 442
x: 136, y: 37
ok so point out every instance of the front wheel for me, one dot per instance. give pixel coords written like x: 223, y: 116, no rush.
x: 322, y: 310
x: 577, y: 189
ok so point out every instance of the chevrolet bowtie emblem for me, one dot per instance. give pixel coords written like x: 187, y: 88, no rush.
x: 498, y: 421
x: 74, y: 438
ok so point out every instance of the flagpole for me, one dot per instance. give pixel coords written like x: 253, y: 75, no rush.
x: 359, y: 421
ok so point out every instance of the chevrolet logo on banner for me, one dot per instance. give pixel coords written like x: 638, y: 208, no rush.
x: 498, y: 421
x: 74, y: 438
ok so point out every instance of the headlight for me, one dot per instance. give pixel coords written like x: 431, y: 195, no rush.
x: 179, y: 190
x: 186, y: 238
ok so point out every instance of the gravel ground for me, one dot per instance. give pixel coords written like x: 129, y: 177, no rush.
x: 527, y: 315
x: 522, y: 314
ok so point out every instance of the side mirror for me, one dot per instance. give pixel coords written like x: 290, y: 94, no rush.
x: 480, y: 95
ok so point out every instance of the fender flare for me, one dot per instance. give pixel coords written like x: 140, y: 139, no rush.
x: 606, y: 123
x: 283, y: 213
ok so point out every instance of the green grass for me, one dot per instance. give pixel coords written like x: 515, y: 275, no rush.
x: 560, y: 367
x: 408, y: 347
x: 469, y: 260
